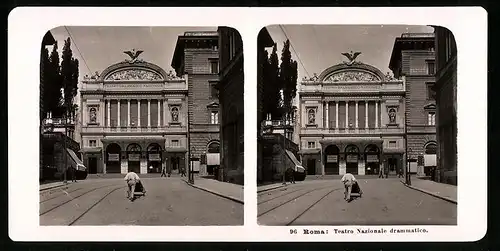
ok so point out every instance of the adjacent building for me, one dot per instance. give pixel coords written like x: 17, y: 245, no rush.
x: 231, y: 88
x: 413, y: 59
x: 196, y: 57
x: 134, y: 118
x: 352, y: 120
x: 446, y: 103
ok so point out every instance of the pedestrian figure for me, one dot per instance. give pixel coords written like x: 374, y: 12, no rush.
x: 163, y: 172
x: 349, y: 181
x: 72, y: 173
x: 183, y: 172
x: 290, y: 173
x: 386, y: 170
x: 132, y: 179
x: 400, y: 173
x: 381, y: 172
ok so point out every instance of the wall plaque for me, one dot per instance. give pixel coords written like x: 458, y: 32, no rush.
x: 113, y: 157
x: 134, y: 157
x: 352, y: 158
x: 332, y: 158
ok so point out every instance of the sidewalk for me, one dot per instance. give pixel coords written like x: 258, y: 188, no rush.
x: 441, y: 190
x: 227, y: 190
x: 51, y: 185
x: 268, y: 187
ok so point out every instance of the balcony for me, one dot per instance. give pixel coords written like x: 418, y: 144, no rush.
x: 351, y: 87
x: 139, y: 130
x: 351, y: 131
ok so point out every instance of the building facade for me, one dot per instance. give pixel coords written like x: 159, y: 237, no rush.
x: 413, y: 57
x: 196, y: 56
x: 231, y: 88
x: 133, y: 118
x: 446, y: 103
x: 352, y: 120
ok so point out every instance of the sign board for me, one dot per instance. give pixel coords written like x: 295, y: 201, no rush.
x: 196, y: 166
x: 372, y: 158
x: 154, y: 157
x: 134, y: 157
x: 213, y: 159
x: 352, y: 158
x: 113, y: 157
x: 430, y: 160
x: 413, y: 167
x: 332, y: 158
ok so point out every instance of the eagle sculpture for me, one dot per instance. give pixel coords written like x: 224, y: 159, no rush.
x: 133, y: 54
x: 351, y: 56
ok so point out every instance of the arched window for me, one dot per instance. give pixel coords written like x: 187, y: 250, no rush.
x: 431, y: 148
x: 214, y: 147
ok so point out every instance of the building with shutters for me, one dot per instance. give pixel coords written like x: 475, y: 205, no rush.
x: 413, y: 57
x: 352, y: 120
x: 134, y: 118
x: 196, y: 57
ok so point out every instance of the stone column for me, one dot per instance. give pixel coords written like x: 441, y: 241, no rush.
x: 102, y: 106
x: 376, y: 114
x: 128, y: 113
x: 327, y: 122
x: 138, y: 113
x: 347, y: 114
x: 165, y: 112
x: 103, y: 154
x: 84, y: 113
x: 119, y: 104
x: 149, y: 112
x: 109, y: 112
x: 366, y: 114
x: 159, y: 106
x: 336, y: 114
x: 357, y: 107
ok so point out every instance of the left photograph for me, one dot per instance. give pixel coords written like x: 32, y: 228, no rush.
x: 141, y: 126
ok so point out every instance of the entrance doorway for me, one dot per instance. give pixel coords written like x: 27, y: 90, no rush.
x: 174, y: 164
x: 134, y: 158
x: 352, y: 156
x: 392, y: 164
x: 372, y: 157
x: 113, y: 158
x: 311, y: 166
x: 332, y: 160
x: 92, y: 165
x: 154, y: 158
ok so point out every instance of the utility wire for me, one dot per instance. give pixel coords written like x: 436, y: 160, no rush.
x: 293, y: 48
x: 78, y: 49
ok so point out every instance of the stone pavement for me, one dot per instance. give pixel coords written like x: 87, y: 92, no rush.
x: 268, y: 187
x: 440, y: 190
x: 224, y: 189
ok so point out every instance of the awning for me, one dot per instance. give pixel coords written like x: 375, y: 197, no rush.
x: 74, y: 161
x: 213, y: 159
x: 90, y: 150
x: 430, y: 160
x: 310, y: 151
x: 175, y: 150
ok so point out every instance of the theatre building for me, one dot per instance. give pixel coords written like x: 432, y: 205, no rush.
x: 351, y: 120
x: 134, y: 118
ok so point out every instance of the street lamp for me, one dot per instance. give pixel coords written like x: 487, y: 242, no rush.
x: 190, y: 170
x: 284, y: 149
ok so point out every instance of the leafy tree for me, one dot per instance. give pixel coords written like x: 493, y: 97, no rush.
x: 273, y: 80
x: 288, y: 78
x: 53, y: 84
x: 69, y: 75
x: 44, y: 67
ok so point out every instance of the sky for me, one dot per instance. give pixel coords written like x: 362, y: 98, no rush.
x: 320, y: 46
x: 96, y: 48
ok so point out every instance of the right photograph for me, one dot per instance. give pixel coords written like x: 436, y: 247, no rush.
x: 357, y: 125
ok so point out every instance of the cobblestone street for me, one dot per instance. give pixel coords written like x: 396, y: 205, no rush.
x: 384, y: 202
x: 168, y: 201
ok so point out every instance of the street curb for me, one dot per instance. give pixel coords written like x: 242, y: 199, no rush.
x: 430, y: 193
x: 271, y: 188
x: 216, y: 193
x: 51, y: 187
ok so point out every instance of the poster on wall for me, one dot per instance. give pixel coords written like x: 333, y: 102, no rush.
x: 332, y: 158
x: 371, y: 158
x: 352, y: 158
x: 113, y: 157
x: 154, y: 157
x: 134, y: 157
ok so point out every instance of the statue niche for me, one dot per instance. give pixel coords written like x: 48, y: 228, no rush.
x: 392, y: 116
x: 175, y: 114
x: 93, y: 115
x: 311, y: 117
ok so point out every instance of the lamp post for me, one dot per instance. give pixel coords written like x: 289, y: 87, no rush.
x: 190, y: 173
x: 284, y: 149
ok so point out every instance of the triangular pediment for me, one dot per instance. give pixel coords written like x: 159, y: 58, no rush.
x: 213, y: 105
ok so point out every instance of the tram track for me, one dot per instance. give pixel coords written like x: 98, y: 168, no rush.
x: 290, y: 200
x: 311, y: 206
x: 287, y: 193
x: 93, y: 205
x: 73, y: 198
x: 62, y: 194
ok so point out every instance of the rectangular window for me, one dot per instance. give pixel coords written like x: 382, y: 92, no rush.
x: 214, y: 93
x: 431, y: 120
x: 92, y: 143
x: 431, y: 95
x: 175, y: 143
x: 431, y: 67
x: 214, y: 66
x: 214, y: 118
x: 392, y: 144
x: 311, y: 144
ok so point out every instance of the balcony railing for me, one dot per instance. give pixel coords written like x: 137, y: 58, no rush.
x: 341, y: 131
x: 390, y: 86
x: 98, y: 129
